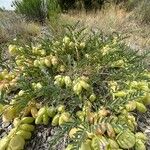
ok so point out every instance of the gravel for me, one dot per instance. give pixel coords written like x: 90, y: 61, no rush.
x: 43, y: 134
x: 40, y: 138
x: 144, y: 125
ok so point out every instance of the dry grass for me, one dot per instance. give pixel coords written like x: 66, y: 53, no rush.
x: 12, y: 26
x: 114, y: 19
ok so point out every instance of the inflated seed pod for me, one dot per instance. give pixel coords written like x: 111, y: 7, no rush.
x: 86, y: 145
x: 92, y: 97
x: 131, y: 125
x: 85, y: 85
x: 114, y: 120
x: 16, y: 143
x: 113, y: 144
x: 27, y: 120
x: 60, y: 81
x: 141, y: 107
x: 77, y: 88
x: 103, y: 127
x: 126, y: 139
x: 16, y: 122
x: 25, y: 134
x: 80, y: 115
x: 98, y: 143
x: 64, y: 117
x: 27, y: 127
x: 61, y: 108
x: 110, y: 130
x: 103, y: 112
x: 36, y: 63
x: 54, y: 61
x: 120, y: 94
x: 90, y: 117
x: 9, y: 114
x: 51, y: 111
x: 48, y: 62
x: 34, y: 112
x: 4, y: 143
x: 141, y: 136
x: 82, y: 45
x: 118, y: 128
x: 42, y: 111
x: 55, y: 120
x: 131, y: 106
x: 66, y: 40
x: 12, y: 49
x: 139, y: 145
x: 71, y: 45
x: 39, y: 119
x: 68, y: 81
x: 45, y: 119
x: 146, y: 99
x: 12, y: 132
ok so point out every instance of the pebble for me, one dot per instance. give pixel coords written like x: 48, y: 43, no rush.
x: 43, y: 134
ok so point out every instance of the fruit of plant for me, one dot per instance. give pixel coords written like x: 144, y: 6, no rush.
x: 51, y: 111
x: 45, y: 119
x: 126, y: 139
x: 141, y: 136
x: 61, y: 108
x: 9, y: 114
x: 86, y: 145
x: 16, y: 143
x: 64, y: 117
x: 92, y: 97
x: 25, y: 134
x: 55, y: 120
x: 141, y: 107
x: 146, y: 99
x: 4, y: 143
x: 131, y: 106
x: 139, y: 145
x: 27, y: 120
x: 99, y: 143
x: 27, y: 127
x: 113, y: 144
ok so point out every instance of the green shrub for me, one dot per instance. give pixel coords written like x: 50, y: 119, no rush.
x: 38, y: 10
x: 90, y: 86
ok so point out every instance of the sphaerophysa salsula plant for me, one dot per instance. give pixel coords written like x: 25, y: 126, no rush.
x: 87, y: 84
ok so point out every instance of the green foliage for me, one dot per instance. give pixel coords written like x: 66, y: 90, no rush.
x: 92, y: 83
x: 86, y: 4
x: 38, y: 10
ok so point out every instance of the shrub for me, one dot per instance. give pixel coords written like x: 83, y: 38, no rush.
x: 88, y: 86
x: 38, y: 10
x: 85, y: 4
